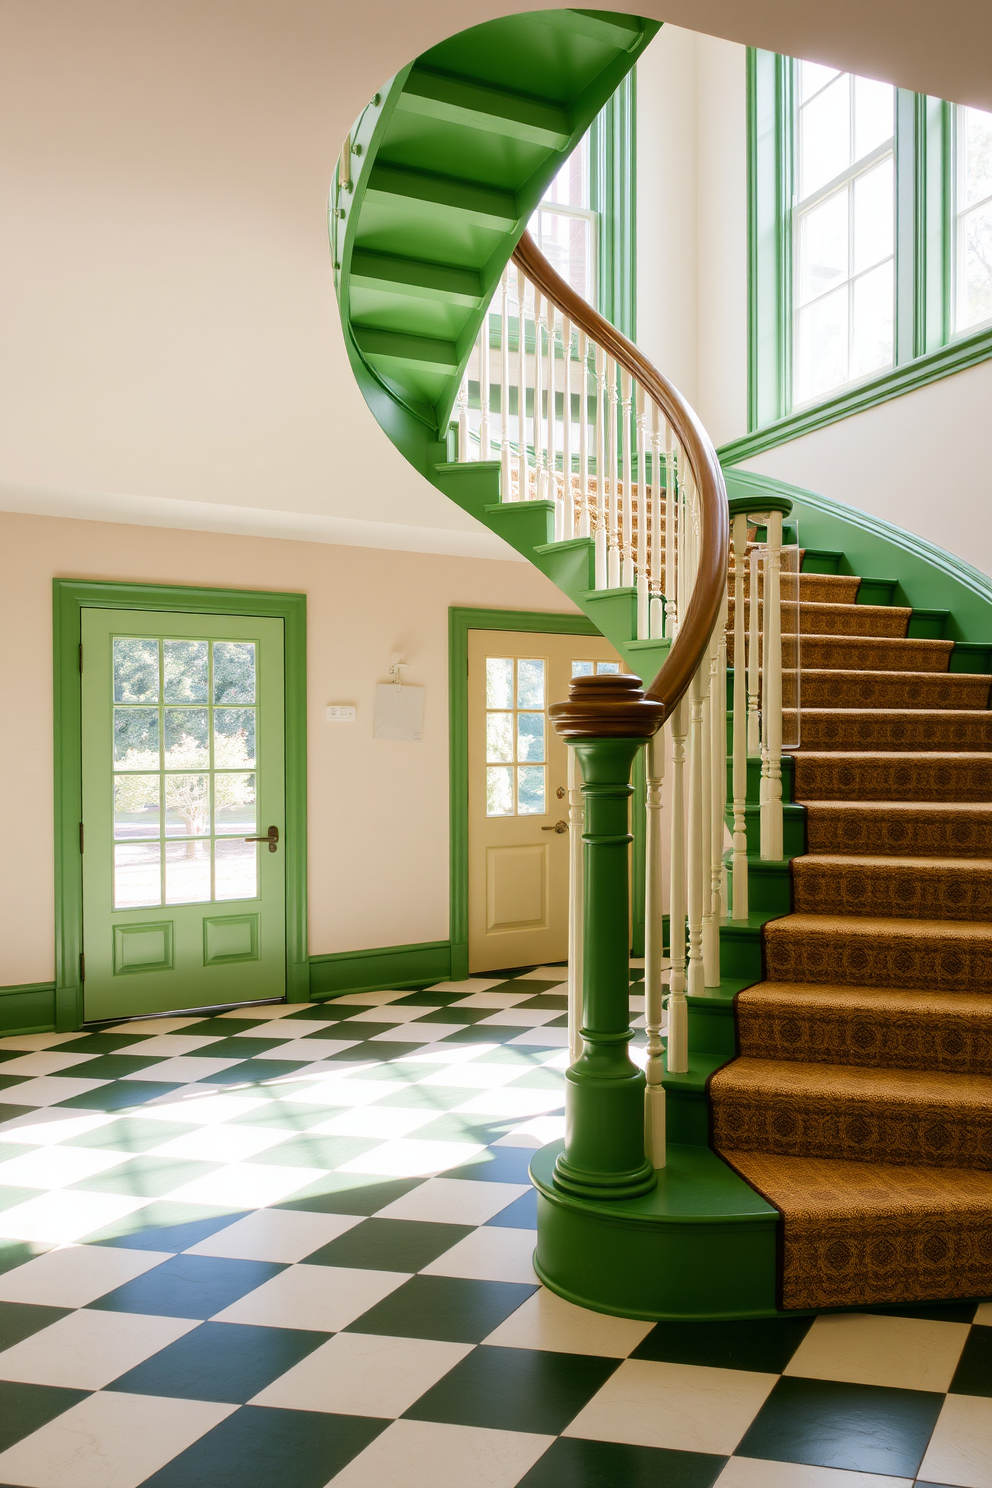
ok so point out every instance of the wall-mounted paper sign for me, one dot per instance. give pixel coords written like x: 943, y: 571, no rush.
x: 399, y: 712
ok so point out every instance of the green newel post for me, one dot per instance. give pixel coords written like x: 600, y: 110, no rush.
x: 606, y: 720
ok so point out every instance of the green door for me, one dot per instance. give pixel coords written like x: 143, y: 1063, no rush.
x: 183, y: 764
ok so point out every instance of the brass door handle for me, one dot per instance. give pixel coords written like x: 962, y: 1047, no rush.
x: 271, y: 837
x: 559, y: 827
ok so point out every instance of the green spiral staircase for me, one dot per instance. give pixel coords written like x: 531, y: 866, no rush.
x: 435, y: 188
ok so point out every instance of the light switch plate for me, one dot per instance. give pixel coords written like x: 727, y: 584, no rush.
x: 341, y: 712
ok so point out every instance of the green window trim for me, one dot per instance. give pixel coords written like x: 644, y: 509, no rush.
x: 926, y: 347
x: 70, y: 597
x: 614, y: 197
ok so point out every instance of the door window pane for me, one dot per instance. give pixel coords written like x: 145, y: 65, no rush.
x: 187, y: 805
x: 135, y: 670
x: 137, y: 875
x: 604, y: 667
x: 235, y: 870
x: 187, y: 738
x: 234, y: 805
x: 499, y: 681
x: 234, y: 671
x: 187, y: 672
x: 582, y: 668
x: 136, y: 738
x: 234, y: 737
x: 530, y: 790
x: 499, y: 790
x: 187, y: 872
x: 530, y: 736
x: 499, y: 736
x: 136, y: 806
x: 530, y: 683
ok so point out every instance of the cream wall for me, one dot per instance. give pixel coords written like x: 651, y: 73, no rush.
x: 378, y: 810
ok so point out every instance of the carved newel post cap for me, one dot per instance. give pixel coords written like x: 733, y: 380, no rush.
x: 610, y: 706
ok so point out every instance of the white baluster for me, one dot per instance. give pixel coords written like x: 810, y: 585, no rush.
x: 754, y: 656
x: 642, y: 547
x: 602, y: 564
x: 710, y: 933
x: 627, y: 574
x: 654, y: 1069
x: 464, y: 424
x: 610, y: 474
x: 678, y: 1026
x: 585, y: 524
x: 521, y: 386
x: 576, y: 901
x: 551, y: 490
x: 771, y: 716
x: 695, y: 979
x: 718, y: 767
x: 485, y: 436
x: 740, y: 905
x: 720, y: 770
x: 657, y: 549
x: 505, y: 455
x: 673, y: 527
x: 568, y: 498
x: 540, y: 466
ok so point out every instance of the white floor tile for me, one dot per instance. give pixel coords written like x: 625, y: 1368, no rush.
x: 380, y: 1122
x: 275, y: 1235
x: 514, y: 1102
x: 960, y: 1450
x: 154, y: 1026
x: 367, y: 999
x: 864, y: 1349
x: 245, y: 1185
x: 548, y: 1322
x: 407, y: 1157
x: 379, y: 1014
x: 313, y: 1050
x: 28, y: 1041
x: 267, y: 1010
x: 749, y: 1472
x: 520, y: 1017
x: 437, y: 1054
x: 55, y: 1167
x: 109, y: 1440
x: 361, y: 1374
x: 44, y: 1062
x: 454, y: 1201
x: 492, y: 1000
x: 471, y: 984
x: 169, y: 1045
x: 48, y: 1090
x: 321, y: 1298
x: 543, y: 1038
x: 416, y: 1033
x: 88, y: 1349
x: 76, y: 1274
x: 200, y: 1108
x: 347, y: 1091
x: 685, y: 1407
x: 544, y: 974
x: 537, y: 1132
x: 184, y: 1069
x: 983, y: 1315
x: 65, y: 1214
x: 494, y: 1253
x: 299, y: 1028
x: 474, y: 1075
x: 422, y: 1454
x: 222, y: 1143
x: 47, y: 1126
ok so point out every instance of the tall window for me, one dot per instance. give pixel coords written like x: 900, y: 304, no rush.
x: 973, y: 218
x: 844, y: 233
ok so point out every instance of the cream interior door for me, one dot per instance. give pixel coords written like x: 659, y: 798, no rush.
x: 518, y: 800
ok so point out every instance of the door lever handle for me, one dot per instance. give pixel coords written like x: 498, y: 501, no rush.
x: 559, y: 827
x: 271, y: 837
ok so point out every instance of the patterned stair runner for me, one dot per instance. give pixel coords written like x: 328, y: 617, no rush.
x: 860, y: 1104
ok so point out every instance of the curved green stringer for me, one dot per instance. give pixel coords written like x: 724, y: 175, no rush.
x: 443, y: 170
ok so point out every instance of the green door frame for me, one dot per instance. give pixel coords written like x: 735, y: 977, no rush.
x: 460, y: 622
x: 70, y: 597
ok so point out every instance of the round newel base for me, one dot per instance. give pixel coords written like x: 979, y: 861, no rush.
x: 700, y: 1244
x: 579, y: 1184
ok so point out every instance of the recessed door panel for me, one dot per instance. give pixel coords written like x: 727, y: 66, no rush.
x: 517, y: 888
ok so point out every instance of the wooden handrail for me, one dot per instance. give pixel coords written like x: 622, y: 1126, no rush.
x: 703, y: 610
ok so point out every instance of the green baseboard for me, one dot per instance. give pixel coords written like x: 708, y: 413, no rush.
x: 402, y: 967
x: 27, y: 1008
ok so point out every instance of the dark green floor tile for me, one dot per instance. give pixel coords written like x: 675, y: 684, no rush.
x: 167, y: 1226
x: 533, y: 986
x: 130, y: 1134
x: 9, y: 1082
x: 315, y: 1152
x: 255, y: 1071
x: 258, y: 1447
x: 973, y: 1375
x: 357, y: 1053
x: 390, y: 1245
x: 280, y: 1113
x: 8, y: 1054
x: 427, y: 998
x: 146, y: 1177
x: 542, y: 1079
x: 571, y: 1463
x: 481, y: 1033
x: 861, y: 1428
x: 455, y: 1014
x: 102, y: 1043
x: 115, y: 1066
x: 118, y: 1096
x: 520, y: 1215
x: 224, y: 1027
x: 25, y: 1408
x: 239, y: 1048
x: 517, y: 1056
x: 20, y: 1319
x: 319, y: 1012
x: 439, y: 1098
x: 445, y: 1308
x: 9, y: 1195
x: 514, y: 1390
x: 230, y: 1362
x: 352, y: 1193
x: 762, y: 1344
x: 548, y: 1000
x: 330, y: 1020
x: 391, y: 1048
x: 496, y: 1165
x: 188, y: 1286
x: 365, y: 1030
x: 461, y: 1126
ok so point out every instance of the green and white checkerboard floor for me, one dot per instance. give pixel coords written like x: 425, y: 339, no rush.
x: 292, y: 1246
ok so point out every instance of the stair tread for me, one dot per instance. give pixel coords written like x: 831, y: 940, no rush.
x: 850, y: 1083
x: 895, y: 864
x: 877, y: 925
x: 885, y: 1000
x: 822, y: 1187
x: 971, y: 808
x: 911, y: 713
